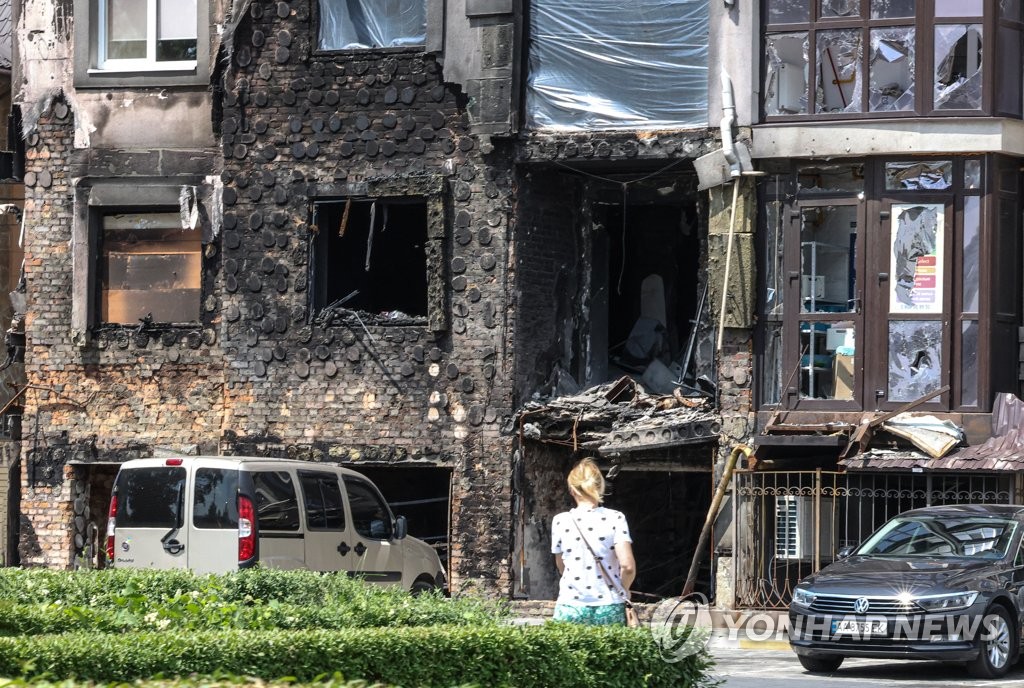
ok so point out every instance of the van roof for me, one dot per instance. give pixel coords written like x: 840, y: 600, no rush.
x: 229, y: 461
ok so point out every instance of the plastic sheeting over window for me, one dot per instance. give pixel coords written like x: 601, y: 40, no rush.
x: 600, y: 64
x: 359, y: 24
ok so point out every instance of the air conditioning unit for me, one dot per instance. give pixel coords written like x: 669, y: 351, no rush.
x: 794, y: 529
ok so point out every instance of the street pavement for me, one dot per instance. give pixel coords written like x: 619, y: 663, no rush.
x: 779, y: 668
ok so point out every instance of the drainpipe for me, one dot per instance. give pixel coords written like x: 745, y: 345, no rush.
x: 726, y: 125
x: 716, y: 503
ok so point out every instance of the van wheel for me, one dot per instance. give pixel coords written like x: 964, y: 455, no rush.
x: 821, y: 665
x: 421, y: 586
x: 995, y: 647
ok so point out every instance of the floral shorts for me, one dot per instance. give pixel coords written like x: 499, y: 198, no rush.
x: 599, y: 615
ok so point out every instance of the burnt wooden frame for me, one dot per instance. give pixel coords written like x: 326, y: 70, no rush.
x: 924, y: 68
x: 999, y: 292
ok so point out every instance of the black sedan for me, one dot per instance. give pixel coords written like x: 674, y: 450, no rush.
x: 940, y: 583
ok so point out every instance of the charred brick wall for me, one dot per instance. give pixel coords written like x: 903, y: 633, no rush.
x: 301, y: 127
x: 549, y: 265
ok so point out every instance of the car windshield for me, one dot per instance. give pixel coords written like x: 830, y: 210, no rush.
x: 942, y: 536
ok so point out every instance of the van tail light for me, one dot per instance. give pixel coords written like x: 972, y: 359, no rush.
x: 246, y: 529
x: 111, y: 526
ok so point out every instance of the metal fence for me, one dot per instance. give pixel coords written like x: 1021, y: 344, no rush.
x: 790, y: 524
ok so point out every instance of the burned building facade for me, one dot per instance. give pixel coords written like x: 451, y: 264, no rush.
x: 458, y: 245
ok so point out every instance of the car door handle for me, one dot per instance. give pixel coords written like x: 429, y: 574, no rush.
x: 360, y: 548
x: 343, y: 548
x: 173, y: 547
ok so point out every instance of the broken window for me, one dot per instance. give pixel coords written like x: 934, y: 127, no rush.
x: 891, y: 85
x: 150, y: 268
x: 592, y: 67
x: 371, y: 255
x: 361, y: 24
x: 892, y: 9
x: 838, y: 77
x: 828, y: 238
x: 135, y: 34
x: 786, y: 79
x: 917, y: 259
x: 831, y: 178
x: 839, y: 8
x: 911, y: 176
x: 915, y: 358
x: 972, y: 174
x: 788, y: 11
x: 958, y: 49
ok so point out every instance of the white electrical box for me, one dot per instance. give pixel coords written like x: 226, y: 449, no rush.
x: 812, y: 286
x: 836, y: 337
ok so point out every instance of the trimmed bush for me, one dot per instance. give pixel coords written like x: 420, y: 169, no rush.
x: 39, y: 601
x: 525, y: 657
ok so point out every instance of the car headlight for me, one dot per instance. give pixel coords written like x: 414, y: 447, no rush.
x: 803, y: 598
x: 945, y: 603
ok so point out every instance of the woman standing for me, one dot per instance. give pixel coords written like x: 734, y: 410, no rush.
x: 593, y: 552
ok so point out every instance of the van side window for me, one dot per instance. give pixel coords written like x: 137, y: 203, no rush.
x: 151, y: 497
x: 324, y: 508
x: 216, y: 498
x: 277, y: 507
x: 370, y: 514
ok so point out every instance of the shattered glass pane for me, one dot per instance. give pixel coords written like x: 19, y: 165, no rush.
x: 785, y: 91
x: 972, y: 174
x: 774, y: 273
x: 969, y: 363
x: 827, y: 351
x: 828, y: 240
x: 958, y: 51
x: 972, y: 233
x: 788, y: 11
x: 915, y: 358
x: 838, y: 77
x: 891, y: 85
x: 917, y: 267
x: 771, y: 375
x: 839, y: 8
x: 891, y: 9
x: 905, y: 176
x: 837, y: 177
x: 959, y: 8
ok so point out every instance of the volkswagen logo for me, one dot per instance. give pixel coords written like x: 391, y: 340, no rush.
x: 861, y: 605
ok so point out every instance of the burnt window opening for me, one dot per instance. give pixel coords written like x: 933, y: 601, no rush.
x: 150, y: 268
x: 665, y: 511
x: 646, y: 284
x: 423, y: 496
x: 370, y: 254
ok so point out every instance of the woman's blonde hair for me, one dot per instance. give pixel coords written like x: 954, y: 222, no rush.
x: 586, y: 479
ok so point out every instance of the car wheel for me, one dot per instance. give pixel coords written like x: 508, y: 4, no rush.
x: 995, y: 646
x: 421, y: 586
x: 821, y: 665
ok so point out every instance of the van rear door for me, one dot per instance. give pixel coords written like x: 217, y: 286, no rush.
x: 213, y: 527
x: 150, y: 516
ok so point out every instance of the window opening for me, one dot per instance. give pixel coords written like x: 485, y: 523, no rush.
x: 958, y: 50
x: 141, y: 34
x: 150, y: 269
x: 361, y: 24
x: 371, y: 256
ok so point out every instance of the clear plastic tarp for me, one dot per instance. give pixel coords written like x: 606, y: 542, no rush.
x: 602, y: 64
x: 359, y: 24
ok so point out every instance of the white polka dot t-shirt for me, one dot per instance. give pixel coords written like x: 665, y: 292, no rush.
x: 582, y: 583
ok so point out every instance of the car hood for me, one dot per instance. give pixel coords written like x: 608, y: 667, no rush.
x: 887, y: 576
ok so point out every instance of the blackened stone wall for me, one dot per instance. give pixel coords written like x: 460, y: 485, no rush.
x: 297, y: 127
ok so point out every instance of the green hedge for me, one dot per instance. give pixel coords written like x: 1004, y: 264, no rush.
x: 543, y: 656
x: 39, y: 601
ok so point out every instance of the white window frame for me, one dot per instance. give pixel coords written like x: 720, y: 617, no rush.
x: 149, y: 63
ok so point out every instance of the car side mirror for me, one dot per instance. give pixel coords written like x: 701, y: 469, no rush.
x: 845, y: 552
x: 401, y: 527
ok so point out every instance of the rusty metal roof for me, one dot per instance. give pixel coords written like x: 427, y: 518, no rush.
x: 1004, y: 451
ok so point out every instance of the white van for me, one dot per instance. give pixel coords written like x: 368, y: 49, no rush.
x: 216, y: 514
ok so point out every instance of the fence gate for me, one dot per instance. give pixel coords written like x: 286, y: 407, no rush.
x: 790, y: 524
